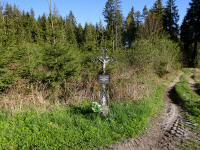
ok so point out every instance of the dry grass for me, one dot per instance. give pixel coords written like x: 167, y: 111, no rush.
x: 130, y: 85
x: 196, y: 75
x: 21, y: 95
x: 124, y: 86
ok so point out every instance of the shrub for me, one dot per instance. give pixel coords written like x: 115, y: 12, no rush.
x: 161, y: 55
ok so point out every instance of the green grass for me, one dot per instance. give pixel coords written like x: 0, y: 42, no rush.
x: 191, y: 103
x: 190, y: 99
x: 78, y: 127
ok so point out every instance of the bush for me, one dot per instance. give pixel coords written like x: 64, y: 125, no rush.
x: 161, y: 55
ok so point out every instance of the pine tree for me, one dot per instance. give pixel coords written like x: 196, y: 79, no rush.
x: 130, y: 27
x: 34, y: 27
x: 90, y: 37
x: 153, y: 24
x: 70, y: 28
x: 17, y: 25
x: 42, y: 21
x: 8, y: 24
x: 158, y: 9
x: 80, y: 35
x: 58, y: 33
x: 118, y: 29
x: 2, y: 25
x: 114, y: 19
x: 170, y: 20
x: 190, y: 32
x: 145, y: 12
x: 100, y: 31
x: 138, y: 18
x: 30, y: 29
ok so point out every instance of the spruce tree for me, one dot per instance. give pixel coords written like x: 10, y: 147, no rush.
x: 18, y: 26
x: 57, y: 33
x: 158, y: 8
x: 145, y: 12
x: 42, y: 21
x: 2, y: 25
x: 190, y: 32
x: 80, y: 35
x: 9, y: 25
x: 70, y: 29
x: 90, y: 37
x: 100, y: 34
x: 130, y: 27
x: 30, y: 29
x: 138, y: 18
x: 170, y: 20
x: 114, y: 19
x: 157, y: 11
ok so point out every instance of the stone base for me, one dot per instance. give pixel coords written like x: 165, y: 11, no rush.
x: 105, y: 111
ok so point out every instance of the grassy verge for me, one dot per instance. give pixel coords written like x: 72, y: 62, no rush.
x: 78, y: 127
x: 191, y: 103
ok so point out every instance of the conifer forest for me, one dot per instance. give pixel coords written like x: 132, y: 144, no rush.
x: 126, y: 82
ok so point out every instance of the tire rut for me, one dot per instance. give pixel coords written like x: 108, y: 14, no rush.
x: 169, y: 132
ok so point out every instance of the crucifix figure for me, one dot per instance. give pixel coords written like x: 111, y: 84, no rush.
x: 105, y: 60
x: 104, y: 80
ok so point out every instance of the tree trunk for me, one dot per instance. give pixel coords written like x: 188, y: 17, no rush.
x: 194, y: 54
x: 52, y: 25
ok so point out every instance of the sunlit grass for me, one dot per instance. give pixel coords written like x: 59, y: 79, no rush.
x: 190, y: 99
x: 78, y: 127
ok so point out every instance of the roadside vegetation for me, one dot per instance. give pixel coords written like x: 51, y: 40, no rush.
x: 190, y: 101
x: 49, y: 67
x: 78, y: 127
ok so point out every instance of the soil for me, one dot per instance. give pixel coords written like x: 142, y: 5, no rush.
x: 170, y: 131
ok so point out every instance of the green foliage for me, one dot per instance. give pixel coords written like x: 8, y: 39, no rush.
x: 96, y: 107
x: 6, y: 79
x: 130, y: 28
x: 158, y: 8
x: 170, y: 20
x: 60, y: 63
x: 78, y: 127
x: 90, y: 38
x: 161, y: 55
x: 7, y: 68
x: 191, y: 100
x: 190, y: 32
x: 114, y: 19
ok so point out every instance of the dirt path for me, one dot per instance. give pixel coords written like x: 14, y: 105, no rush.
x: 168, y: 132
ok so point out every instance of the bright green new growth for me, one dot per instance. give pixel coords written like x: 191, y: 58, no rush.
x: 96, y: 107
x: 78, y: 127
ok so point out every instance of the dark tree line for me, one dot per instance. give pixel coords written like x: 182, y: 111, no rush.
x: 120, y: 32
x: 190, y: 33
x: 53, y: 49
x: 18, y: 26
